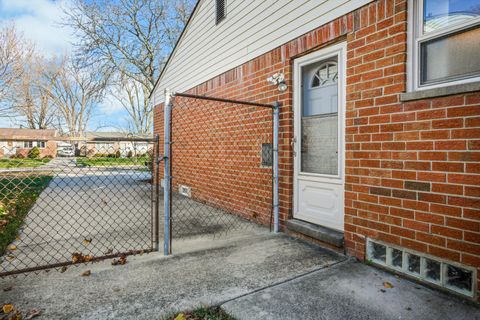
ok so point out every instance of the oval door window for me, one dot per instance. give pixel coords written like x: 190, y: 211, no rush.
x: 327, y: 74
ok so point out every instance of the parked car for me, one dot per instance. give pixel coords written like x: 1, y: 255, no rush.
x: 65, y: 151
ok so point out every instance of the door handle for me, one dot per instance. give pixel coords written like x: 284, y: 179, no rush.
x: 292, y: 143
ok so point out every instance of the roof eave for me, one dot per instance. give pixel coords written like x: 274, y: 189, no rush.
x: 174, y: 48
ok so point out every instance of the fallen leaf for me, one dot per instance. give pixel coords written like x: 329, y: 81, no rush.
x: 86, y: 273
x: 387, y: 285
x: 64, y: 268
x: 121, y: 261
x: 180, y: 316
x: 10, y: 257
x: 33, y: 313
x: 7, y: 308
x: 109, y: 251
x: 77, y: 257
x: 12, y: 247
x: 86, y: 242
x: 7, y: 289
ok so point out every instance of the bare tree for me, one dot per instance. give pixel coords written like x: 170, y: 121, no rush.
x: 32, y: 99
x: 13, y: 50
x: 130, y: 38
x: 75, y: 91
x: 130, y: 94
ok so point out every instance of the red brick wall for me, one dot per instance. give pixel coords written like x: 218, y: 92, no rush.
x: 412, y: 169
x: 50, y: 150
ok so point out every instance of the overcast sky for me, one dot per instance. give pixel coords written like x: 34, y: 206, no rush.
x: 39, y: 20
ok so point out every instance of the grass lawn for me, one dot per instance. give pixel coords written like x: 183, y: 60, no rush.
x: 213, y: 313
x: 22, y: 163
x: 107, y: 161
x: 17, y: 195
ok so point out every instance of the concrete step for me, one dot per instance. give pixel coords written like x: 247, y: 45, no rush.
x: 323, y: 234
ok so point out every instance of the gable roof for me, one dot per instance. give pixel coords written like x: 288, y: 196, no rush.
x: 114, y: 135
x: 179, y: 40
x: 251, y: 28
x: 27, y: 134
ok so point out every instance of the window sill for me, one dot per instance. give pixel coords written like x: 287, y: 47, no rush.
x: 440, y: 92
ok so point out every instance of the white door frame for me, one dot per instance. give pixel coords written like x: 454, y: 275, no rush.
x: 339, y: 50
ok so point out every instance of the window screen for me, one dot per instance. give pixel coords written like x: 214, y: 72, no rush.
x: 221, y: 10
x: 451, y: 57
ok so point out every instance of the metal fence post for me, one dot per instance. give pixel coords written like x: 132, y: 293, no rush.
x: 276, y: 124
x: 157, y: 192
x: 167, y: 178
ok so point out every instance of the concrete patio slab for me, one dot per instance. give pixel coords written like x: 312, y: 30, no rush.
x: 350, y: 290
x: 150, y: 286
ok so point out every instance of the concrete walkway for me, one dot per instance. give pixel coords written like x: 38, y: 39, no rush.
x: 350, y: 290
x: 264, y: 277
x: 150, y: 286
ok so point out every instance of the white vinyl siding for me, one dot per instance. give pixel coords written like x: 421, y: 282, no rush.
x: 252, y: 29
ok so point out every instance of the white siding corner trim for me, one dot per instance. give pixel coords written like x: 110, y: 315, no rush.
x: 250, y: 29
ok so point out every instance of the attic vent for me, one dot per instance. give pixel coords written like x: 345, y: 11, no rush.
x: 221, y: 6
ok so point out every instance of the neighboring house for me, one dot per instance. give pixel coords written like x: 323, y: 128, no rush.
x: 18, y: 142
x: 400, y: 79
x: 112, y: 143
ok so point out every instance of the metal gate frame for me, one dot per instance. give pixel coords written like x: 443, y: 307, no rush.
x: 167, y: 157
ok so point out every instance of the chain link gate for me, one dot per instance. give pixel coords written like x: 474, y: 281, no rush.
x: 221, y: 167
x: 78, y: 200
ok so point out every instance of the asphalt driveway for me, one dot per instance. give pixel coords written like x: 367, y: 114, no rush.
x: 87, y: 210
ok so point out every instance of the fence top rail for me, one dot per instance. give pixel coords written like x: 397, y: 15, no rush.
x: 101, y: 139
x: 247, y: 103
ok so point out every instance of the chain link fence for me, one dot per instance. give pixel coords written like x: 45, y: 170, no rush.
x: 64, y: 202
x: 221, y: 166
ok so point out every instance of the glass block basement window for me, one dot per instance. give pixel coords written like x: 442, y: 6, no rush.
x: 448, y: 275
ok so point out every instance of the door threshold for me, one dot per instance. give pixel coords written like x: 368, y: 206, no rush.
x: 316, y: 232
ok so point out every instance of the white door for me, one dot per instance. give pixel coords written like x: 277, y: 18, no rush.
x: 319, y: 146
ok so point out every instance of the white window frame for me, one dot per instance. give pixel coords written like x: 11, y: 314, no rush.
x: 28, y: 144
x: 105, y: 147
x: 417, y: 36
